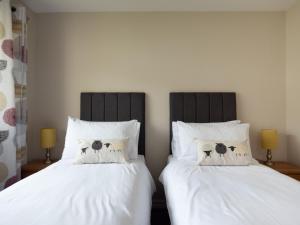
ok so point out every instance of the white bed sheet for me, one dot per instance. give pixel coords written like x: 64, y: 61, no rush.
x: 229, y: 195
x: 90, y: 194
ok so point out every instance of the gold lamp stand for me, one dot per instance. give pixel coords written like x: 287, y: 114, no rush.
x: 48, y: 160
x: 269, y: 158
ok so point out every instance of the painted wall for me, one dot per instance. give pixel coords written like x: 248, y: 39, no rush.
x: 158, y: 53
x: 293, y: 83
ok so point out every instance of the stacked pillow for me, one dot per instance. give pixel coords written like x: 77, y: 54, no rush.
x: 90, y: 135
x: 212, y: 143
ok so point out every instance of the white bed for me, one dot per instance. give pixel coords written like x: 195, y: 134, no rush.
x: 89, y: 194
x: 229, y: 195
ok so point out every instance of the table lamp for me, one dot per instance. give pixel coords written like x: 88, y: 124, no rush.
x: 48, y: 140
x: 269, y: 141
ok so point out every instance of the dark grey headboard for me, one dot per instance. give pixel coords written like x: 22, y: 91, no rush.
x: 202, y: 107
x: 115, y: 107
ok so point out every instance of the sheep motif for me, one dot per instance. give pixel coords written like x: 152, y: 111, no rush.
x: 84, y: 146
x: 97, y: 145
x: 116, y: 146
x: 240, y: 150
x: 221, y: 149
x: 83, y: 150
x: 232, y: 148
x: 207, y: 149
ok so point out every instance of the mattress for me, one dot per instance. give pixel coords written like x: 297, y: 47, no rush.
x: 89, y: 194
x: 229, y: 195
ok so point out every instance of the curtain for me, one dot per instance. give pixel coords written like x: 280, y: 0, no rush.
x: 19, y: 21
x: 7, y: 99
x: 13, y: 101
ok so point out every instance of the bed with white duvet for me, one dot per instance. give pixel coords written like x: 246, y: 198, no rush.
x: 66, y: 193
x: 229, y: 195
x: 212, y: 178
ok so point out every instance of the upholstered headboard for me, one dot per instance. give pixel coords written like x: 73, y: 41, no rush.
x: 115, y: 107
x: 202, y: 107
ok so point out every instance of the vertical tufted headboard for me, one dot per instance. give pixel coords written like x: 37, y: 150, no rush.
x: 202, y: 107
x: 106, y: 106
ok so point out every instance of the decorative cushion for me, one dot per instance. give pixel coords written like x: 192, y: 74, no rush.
x: 223, y: 153
x: 79, y: 129
x: 102, y: 151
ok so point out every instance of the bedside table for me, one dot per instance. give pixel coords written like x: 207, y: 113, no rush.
x: 33, y: 167
x: 287, y: 169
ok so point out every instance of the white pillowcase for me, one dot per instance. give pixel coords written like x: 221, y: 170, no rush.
x: 175, y: 139
x: 79, y: 129
x: 223, y: 153
x: 188, y: 133
x: 101, y: 151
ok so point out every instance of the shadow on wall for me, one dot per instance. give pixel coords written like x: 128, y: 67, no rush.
x: 293, y: 146
x: 156, y: 160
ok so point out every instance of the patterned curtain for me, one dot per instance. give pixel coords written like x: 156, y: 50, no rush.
x: 13, y: 101
x: 7, y: 99
x: 19, y: 21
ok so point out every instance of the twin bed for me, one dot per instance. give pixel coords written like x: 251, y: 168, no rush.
x: 86, y: 194
x: 227, y: 195
x: 120, y: 194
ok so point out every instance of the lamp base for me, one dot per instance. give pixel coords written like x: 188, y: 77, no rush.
x: 48, y: 160
x: 269, y: 158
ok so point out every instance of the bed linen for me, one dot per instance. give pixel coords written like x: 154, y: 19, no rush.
x: 89, y: 194
x: 229, y: 195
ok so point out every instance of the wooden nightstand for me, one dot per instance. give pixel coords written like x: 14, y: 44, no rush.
x: 287, y: 169
x: 33, y: 167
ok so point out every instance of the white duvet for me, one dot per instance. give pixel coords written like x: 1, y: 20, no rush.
x: 90, y: 194
x: 230, y: 195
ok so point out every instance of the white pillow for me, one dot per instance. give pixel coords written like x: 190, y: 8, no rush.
x: 223, y: 153
x: 188, y: 133
x: 101, y: 151
x: 175, y: 139
x: 79, y: 129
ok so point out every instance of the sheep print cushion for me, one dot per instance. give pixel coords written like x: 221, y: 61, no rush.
x: 223, y: 153
x: 102, y: 151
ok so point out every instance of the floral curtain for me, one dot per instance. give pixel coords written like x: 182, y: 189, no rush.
x: 19, y: 21
x: 13, y: 101
x: 7, y: 99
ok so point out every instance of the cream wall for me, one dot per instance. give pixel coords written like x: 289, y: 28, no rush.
x: 157, y: 53
x: 293, y: 83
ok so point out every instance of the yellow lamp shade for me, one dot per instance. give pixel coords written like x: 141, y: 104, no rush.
x: 48, y: 138
x: 269, y: 139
